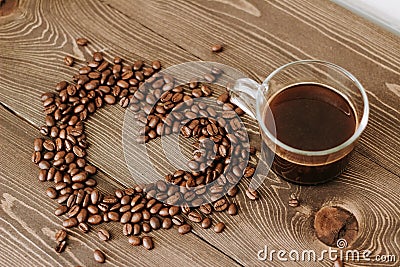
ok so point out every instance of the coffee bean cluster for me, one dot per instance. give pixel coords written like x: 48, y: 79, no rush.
x: 61, y: 153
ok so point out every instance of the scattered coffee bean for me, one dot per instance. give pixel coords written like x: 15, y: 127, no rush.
x: 134, y: 240
x: 103, y: 234
x: 147, y: 242
x: 61, y: 246
x: 99, y: 256
x: 60, y: 235
x: 184, y: 229
x: 206, y: 223
x: 68, y: 60
x: 232, y: 209
x: 219, y: 227
x: 216, y: 48
x: 82, y: 41
x: 252, y: 194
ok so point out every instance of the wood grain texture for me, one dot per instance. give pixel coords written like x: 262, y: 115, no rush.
x: 258, y: 37
x: 28, y: 225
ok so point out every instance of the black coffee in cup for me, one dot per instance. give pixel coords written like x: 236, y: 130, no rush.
x: 310, y: 117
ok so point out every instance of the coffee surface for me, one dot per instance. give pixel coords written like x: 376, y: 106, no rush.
x: 311, y: 117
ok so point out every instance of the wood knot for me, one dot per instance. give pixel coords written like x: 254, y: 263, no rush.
x: 7, y: 7
x: 334, y: 225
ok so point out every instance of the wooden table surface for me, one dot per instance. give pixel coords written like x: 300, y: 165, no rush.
x: 258, y: 36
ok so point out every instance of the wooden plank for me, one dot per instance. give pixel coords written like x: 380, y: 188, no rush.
x: 260, y: 36
x: 28, y: 224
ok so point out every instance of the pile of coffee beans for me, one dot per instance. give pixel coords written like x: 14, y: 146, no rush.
x: 176, y: 199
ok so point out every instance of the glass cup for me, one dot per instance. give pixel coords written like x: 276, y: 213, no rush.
x: 293, y: 164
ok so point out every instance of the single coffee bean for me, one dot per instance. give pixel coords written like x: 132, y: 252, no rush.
x: 206, y: 223
x: 216, y: 48
x: 219, y: 227
x: 113, y: 216
x: 206, y: 208
x: 61, y: 246
x: 166, y: 223
x: 82, y: 215
x: 82, y: 41
x: 38, y: 144
x: 60, y: 235
x: 194, y: 216
x: 73, y: 211
x: 51, y: 193
x: 99, y: 256
x: 155, y: 223
x: 136, y: 229
x: 233, y: 191
x: 134, y: 240
x: 127, y: 229
x: 252, y: 194
x: 61, y: 210
x: 68, y: 60
x: 221, y: 205
x: 98, y: 56
x: 184, y: 229
x: 156, y: 65
x: 95, y: 219
x: 147, y: 242
x: 103, y: 235
x: 146, y: 227
x: 83, y: 227
x: 232, y: 209
x: 70, y: 222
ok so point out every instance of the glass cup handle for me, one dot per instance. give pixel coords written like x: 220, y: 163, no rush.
x: 244, y: 95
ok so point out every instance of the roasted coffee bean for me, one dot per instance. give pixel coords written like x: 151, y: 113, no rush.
x: 146, y: 227
x: 178, y: 220
x: 103, y: 235
x: 68, y: 60
x: 136, y: 217
x: 61, y: 246
x: 134, y: 240
x: 221, y: 205
x: 113, y: 216
x: 36, y: 157
x: 219, y: 227
x: 248, y: 172
x: 95, y: 219
x: 184, y: 229
x: 216, y: 48
x: 156, y: 65
x: 127, y: 229
x: 206, y: 208
x: 99, y: 256
x: 206, y: 223
x: 194, y: 216
x: 70, y: 222
x: 61, y: 210
x: 82, y: 215
x: 233, y: 191
x: 136, y: 229
x: 166, y: 223
x: 147, y: 242
x: 38, y: 144
x: 83, y: 227
x: 95, y: 196
x: 82, y: 41
x: 252, y: 194
x: 232, y: 209
x: 126, y: 217
x: 60, y: 235
x: 173, y: 210
x: 44, y: 165
x: 109, y: 99
x: 155, y: 223
x: 73, y: 211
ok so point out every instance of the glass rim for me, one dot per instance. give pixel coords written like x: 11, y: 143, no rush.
x: 349, y: 141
